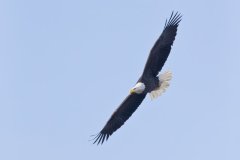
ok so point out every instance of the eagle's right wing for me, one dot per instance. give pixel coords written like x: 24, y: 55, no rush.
x: 120, y: 116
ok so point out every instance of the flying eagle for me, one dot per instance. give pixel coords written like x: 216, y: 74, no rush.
x: 149, y: 82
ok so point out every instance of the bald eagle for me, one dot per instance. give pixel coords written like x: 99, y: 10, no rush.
x: 149, y: 82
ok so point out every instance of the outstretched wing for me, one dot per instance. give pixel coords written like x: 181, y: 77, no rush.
x: 161, y: 49
x: 120, y: 116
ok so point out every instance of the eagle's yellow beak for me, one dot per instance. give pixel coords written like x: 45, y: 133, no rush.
x: 132, y: 91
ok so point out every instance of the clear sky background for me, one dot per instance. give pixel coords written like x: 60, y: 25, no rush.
x: 66, y: 65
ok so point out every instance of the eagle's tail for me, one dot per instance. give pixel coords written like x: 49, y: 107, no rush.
x: 164, y: 80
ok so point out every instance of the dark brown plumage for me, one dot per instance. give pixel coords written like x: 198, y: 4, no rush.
x: 157, y: 57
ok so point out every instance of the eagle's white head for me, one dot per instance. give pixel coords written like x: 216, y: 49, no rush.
x: 138, y: 88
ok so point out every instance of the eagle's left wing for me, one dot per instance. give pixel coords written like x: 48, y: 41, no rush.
x: 161, y: 49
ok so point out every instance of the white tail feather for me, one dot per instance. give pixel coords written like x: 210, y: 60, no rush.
x: 164, y: 80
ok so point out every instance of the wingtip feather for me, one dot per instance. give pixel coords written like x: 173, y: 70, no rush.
x: 174, y: 19
x: 100, y: 138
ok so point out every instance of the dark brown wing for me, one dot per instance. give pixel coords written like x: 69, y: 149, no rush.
x: 161, y: 49
x: 121, y: 115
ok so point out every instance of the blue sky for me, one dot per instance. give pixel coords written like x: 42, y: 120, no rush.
x: 65, y: 66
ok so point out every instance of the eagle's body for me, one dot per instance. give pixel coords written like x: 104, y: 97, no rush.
x: 149, y: 81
